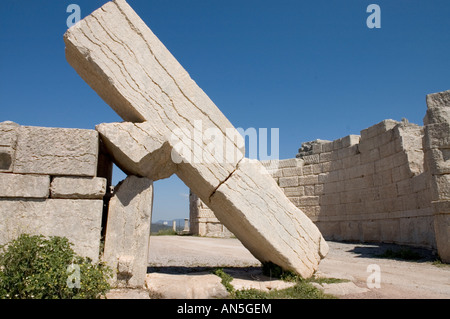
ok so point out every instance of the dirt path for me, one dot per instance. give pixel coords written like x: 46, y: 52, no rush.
x: 398, y: 279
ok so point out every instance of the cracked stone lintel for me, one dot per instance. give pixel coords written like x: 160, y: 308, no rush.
x: 126, y: 64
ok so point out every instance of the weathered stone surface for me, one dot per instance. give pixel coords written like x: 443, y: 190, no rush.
x: 258, y: 213
x: 6, y: 158
x: 437, y: 155
x: 442, y: 233
x: 8, y: 141
x: 128, y: 231
x: 24, y: 186
x: 142, y: 81
x: 78, y: 220
x: 252, y: 206
x: 56, y: 151
x: 123, y: 61
x: 78, y: 187
x: 146, y: 155
x: 440, y: 99
x: 203, y: 285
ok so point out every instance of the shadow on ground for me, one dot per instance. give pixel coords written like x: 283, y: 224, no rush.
x: 392, y: 251
x: 237, y: 272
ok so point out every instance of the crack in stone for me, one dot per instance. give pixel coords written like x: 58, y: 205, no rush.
x: 226, y: 179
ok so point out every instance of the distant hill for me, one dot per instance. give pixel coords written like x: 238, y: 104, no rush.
x: 166, y: 224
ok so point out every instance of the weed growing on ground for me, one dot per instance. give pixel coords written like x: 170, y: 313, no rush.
x: 303, y: 289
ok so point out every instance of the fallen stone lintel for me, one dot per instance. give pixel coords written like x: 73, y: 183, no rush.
x: 178, y: 129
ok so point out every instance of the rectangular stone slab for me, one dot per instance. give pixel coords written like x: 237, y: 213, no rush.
x: 24, y: 186
x: 124, y: 62
x: 56, y: 151
x: 78, y: 187
x: 78, y: 220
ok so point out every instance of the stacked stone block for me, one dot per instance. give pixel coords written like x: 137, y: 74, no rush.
x: 49, y: 185
x: 437, y: 158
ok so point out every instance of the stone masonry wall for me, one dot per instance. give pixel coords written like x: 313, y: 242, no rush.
x: 389, y: 184
x: 437, y: 159
x: 371, y: 187
x: 49, y: 184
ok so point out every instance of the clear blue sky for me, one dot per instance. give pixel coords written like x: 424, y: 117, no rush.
x: 313, y: 69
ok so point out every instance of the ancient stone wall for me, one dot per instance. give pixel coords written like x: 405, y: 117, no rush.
x: 389, y: 184
x: 371, y: 187
x: 437, y: 160
x: 202, y: 220
x: 49, y: 184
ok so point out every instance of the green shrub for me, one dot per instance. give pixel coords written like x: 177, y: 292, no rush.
x: 36, y: 267
x: 226, y: 279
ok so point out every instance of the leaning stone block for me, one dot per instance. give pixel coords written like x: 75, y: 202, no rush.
x: 128, y: 231
x: 24, y: 186
x: 56, y: 151
x: 252, y: 207
x: 78, y: 220
x: 78, y: 187
x: 125, y: 63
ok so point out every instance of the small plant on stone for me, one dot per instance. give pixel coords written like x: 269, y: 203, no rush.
x: 36, y: 267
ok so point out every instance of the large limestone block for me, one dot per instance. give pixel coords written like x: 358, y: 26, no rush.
x: 201, y: 285
x: 437, y: 135
x: 440, y: 99
x: 146, y: 155
x: 56, y: 151
x: 128, y: 231
x: 24, y: 186
x: 442, y: 235
x: 78, y: 187
x: 78, y: 220
x: 124, y: 62
x: 252, y: 206
x: 8, y: 141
